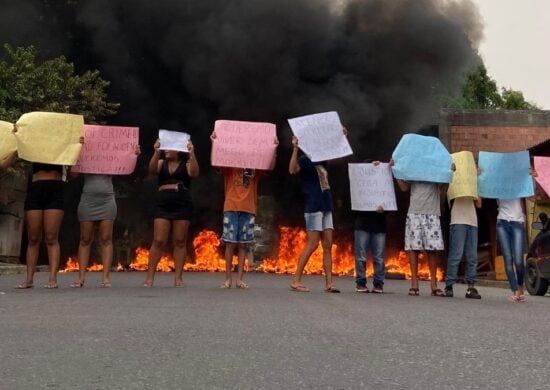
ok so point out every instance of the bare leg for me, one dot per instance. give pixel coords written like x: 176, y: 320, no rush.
x: 86, y: 239
x: 161, y: 229
x: 432, y: 261
x: 313, y: 238
x: 229, y: 250
x: 52, y: 224
x: 34, y: 220
x: 106, y: 240
x: 413, y: 261
x: 179, y: 236
x: 327, y: 255
x: 243, y: 249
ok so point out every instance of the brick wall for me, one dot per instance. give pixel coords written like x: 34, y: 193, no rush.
x: 496, y: 138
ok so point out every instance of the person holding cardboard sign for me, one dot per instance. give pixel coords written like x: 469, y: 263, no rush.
x: 44, y: 210
x: 239, y: 214
x: 173, y: 208
x: 97, y: 206
x: 423, y: 229
x: 318, y: 215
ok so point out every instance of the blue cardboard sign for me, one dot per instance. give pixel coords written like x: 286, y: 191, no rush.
x: 505, y: 175
x: 422, y: 158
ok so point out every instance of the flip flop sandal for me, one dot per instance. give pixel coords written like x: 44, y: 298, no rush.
x: 414, y: 292
x: 50, y: 285
x: 242, y: 285
x: 299, y: 288
x: 23, y: 286
x: 332, y: 289
x: 76, y: 285
x: 438, y: 293
x: 225, y: 285
x: 106, y: 284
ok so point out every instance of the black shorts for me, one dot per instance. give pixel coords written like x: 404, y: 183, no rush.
x: 45, y: 195
x: 173, y: 205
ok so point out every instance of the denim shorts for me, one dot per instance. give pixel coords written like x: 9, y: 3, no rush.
x: 319, y: 221
x: 238, y: 227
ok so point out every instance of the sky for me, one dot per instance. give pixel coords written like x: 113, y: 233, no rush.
x: 516, y: 46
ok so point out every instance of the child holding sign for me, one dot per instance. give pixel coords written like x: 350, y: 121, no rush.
x: 239, y: 213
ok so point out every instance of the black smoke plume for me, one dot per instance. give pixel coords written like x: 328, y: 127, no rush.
x: 385, y: 66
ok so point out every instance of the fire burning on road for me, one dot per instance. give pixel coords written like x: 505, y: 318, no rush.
x: 292, y: 240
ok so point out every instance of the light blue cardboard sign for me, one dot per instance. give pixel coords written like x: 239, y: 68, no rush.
x: 422, y: 158
x: 505, y: 175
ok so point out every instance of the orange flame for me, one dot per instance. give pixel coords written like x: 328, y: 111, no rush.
x: 73, y: 266
x: 292, y: 242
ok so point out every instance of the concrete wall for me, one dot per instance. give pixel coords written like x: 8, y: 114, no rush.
x: 493, y: 131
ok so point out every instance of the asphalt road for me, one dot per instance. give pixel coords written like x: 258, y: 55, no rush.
x: 201, y: 337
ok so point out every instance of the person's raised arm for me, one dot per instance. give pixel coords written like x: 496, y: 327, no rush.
x: 403, y: 185
x: 293, y: 166
x: 274, y: 160
x: 8, y: 161
x: 192, y: 164
x: 155, y: 159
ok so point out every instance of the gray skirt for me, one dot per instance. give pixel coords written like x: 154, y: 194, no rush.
x: 96, y: 207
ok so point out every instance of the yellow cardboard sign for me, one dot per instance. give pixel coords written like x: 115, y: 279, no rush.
x: 49, y: 137
x: 464, y: 177
x: 8, y: 144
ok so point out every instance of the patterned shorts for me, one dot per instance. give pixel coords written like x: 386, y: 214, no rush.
x: 423, y: 232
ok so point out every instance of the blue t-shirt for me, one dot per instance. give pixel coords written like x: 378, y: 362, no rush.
x: 315, y: 185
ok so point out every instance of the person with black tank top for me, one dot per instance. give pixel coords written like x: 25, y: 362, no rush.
x: 43, y: 215
x: 173, y: 207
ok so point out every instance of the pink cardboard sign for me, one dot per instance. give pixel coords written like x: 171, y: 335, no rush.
x: 108, y: 150
x: 542, y: 167
x: 243, y: 144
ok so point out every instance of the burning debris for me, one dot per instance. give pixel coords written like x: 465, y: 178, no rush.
x: 292, y: 241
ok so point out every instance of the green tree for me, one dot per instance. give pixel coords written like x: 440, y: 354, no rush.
x: 27, y: 84
x: 514, y: 100
x: 480, y: 91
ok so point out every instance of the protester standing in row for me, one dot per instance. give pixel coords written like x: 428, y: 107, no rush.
x: 511, y: 238
x: 239, y: 214
x: 173, y: 207
x: 318, y: 215
x: 97, y: 207
x: 423, y: 229
x: 370, y: 234
x: 44, y: 210
x: 463, y: 241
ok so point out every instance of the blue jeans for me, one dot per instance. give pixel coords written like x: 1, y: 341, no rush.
x: 462, y: 241
x: 511, y: 238
x: 376, y: 242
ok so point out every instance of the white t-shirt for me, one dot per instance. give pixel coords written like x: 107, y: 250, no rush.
x: 510, y: 210
x: 463, y: 212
